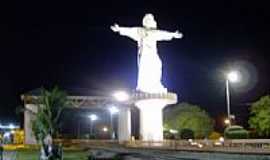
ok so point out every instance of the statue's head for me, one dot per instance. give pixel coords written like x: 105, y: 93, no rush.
x: 149, y: 21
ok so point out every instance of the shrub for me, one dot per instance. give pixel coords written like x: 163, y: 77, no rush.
x: 186, y: 134
x: 236, y: 132
x: 92, y: 136
x: 214, y: 135
x: 168, y: 135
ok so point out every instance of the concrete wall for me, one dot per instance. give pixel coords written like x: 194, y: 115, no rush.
x: 124, y: 124
x: 28, y: 117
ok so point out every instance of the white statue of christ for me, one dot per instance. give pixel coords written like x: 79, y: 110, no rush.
x: 149, y: 63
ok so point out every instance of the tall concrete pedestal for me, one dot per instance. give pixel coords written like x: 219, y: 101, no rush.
x: 151, y: 119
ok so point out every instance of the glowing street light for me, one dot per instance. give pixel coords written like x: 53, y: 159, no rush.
x: 105, y: 129
x: 93, y: 117
x: 233, y: 77
x: 121, y: 96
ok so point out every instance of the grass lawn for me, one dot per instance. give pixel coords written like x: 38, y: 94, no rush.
x: 68, y: 155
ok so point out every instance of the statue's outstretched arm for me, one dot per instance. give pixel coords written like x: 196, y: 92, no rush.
x: 131, y: 32
x: 165, y: 35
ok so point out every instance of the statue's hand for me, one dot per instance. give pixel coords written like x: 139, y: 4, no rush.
x: 115, y: 28
x: 177, y: 34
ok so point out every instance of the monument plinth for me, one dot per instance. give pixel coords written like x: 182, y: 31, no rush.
x: 151, y: 119
x: 151, y: 96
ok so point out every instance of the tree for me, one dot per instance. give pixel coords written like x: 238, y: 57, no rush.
x: 260, y: 116
x: 188, y: 116
x: 50, y: 107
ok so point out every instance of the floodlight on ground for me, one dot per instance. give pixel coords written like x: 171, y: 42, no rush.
x: 121, y: 96
x: 221, y: 139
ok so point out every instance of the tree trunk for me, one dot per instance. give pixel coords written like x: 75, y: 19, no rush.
x: 46, y: 148
x: 43, y: 155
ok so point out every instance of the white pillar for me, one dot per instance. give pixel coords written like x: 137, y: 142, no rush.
x: 29, y: 116
x: 151, y: 122
x: 124, y: 124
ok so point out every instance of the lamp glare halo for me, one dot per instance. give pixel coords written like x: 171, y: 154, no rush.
x: 233, y: 76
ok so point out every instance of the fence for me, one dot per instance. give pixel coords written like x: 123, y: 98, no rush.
x: 175, y: 144
x: 260, y: 146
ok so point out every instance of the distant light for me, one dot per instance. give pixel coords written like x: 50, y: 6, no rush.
x: 113, y: 110
x: 227, y: 121
x: 12, y: 132
x: 173, y: 131
x: 121, y: 96
x: 233, y: 76
x: 105, y: 129
x: 11, y: 126
x: 93, y: 117
x: 7, y: 134
x: 190, y: 140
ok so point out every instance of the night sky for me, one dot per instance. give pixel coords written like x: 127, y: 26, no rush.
x: 71, y: 45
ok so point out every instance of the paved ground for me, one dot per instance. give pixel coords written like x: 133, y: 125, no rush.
x: 9, y: 155
x: 147, y: 154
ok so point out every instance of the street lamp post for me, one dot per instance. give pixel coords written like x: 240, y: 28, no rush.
x: 113, y: 110
x: 93, y: 118
x: 120, y: 96
x: 233, y: 77
x: 228, y: 101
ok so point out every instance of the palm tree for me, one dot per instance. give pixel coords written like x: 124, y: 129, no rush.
x: 51, y: 104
